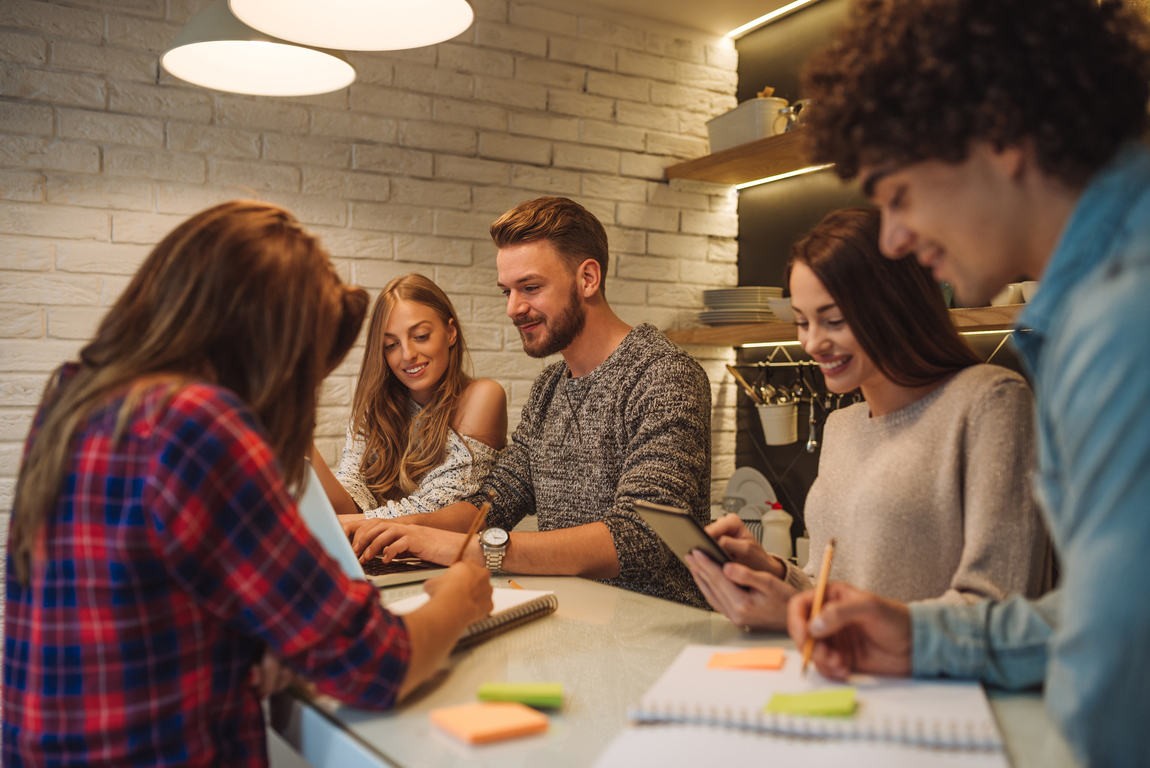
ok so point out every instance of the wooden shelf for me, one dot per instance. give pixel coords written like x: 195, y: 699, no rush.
x: 747, y: 162
x: 975, y: 319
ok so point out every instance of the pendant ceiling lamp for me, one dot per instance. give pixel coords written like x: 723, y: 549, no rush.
x: 358, y: 25
x: 217, y: 50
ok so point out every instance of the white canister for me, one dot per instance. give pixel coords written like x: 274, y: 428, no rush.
x: 802, y: 550
x: 777, y: 531
x: 780, y: 422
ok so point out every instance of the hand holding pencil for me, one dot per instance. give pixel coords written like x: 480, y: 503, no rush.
x: 817, y: 604
x: 855, y: 631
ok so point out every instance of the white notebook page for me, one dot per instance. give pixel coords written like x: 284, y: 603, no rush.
x: 886, y: 705
x: 503, y: 598
x: 692, y: 746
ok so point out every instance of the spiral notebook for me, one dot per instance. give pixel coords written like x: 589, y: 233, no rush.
x: 513, y: 607
x: 691, y: 746
x: 930, y: 713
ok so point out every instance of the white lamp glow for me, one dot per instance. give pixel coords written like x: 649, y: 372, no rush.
x: 217, y: 50
x: 358, y: 25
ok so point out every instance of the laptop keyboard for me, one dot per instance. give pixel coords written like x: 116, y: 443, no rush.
x: 376, y: 567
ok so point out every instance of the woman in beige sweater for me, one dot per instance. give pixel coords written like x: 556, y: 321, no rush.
x: 925, y: 485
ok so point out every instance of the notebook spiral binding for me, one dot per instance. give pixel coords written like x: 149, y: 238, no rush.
x: 507, y: 620
x: 964, y: 734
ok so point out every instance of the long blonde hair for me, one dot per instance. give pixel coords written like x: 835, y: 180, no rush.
x: 399, y: 451
x: 238, y: 295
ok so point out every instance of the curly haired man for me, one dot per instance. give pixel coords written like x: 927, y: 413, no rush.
x: 999, y: 139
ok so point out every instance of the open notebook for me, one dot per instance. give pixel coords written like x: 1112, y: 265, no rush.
x: 932, y: 713
x: 513, y: 607
x: 691, y: 746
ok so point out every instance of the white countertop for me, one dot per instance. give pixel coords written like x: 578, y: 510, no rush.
x: 607, y: 646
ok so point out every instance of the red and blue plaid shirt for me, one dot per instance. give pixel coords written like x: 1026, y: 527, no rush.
x: 174, y: 557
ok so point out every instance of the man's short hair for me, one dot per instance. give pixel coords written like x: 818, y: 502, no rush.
x: 570, y: 228
x: 914, y: 80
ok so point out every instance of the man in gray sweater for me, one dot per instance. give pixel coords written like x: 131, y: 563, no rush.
x: 624, y: 416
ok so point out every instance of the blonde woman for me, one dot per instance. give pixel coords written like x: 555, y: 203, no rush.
x: 422, y: 434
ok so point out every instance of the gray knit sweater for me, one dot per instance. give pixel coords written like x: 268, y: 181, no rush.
x: 933, y: 501
x: 636, y: 427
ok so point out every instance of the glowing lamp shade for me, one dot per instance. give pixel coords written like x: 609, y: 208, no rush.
x: 217, y: 50
x: 358, y: 25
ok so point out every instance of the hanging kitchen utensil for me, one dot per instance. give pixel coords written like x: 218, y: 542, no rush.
x: 749, y: 389
x: 812, y: 441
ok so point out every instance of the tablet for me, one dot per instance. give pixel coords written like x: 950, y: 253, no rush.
x: 679, y: 531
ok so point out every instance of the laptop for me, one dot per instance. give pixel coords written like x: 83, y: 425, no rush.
x: 321, y: 519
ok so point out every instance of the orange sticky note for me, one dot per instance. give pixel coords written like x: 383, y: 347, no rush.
x: 483, y: 721
x: 767, y: 657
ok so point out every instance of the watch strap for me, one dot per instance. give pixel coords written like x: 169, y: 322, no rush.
x: 493, y: 558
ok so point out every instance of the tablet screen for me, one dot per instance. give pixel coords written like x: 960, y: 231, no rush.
x: 679, y: 531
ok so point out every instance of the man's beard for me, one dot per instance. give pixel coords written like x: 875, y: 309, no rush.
x: 554, y: 334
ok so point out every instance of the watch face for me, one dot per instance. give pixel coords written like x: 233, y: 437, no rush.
x: 494, y: 537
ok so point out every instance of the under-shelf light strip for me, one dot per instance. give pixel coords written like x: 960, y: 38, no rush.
x: 796, y: 343
x: 787, y: 175
x: 767, y: 18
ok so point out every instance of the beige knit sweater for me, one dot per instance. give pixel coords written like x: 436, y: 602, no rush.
x: 933, y: 501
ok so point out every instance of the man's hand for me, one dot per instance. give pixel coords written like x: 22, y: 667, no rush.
x: 732, y: 536
x: 391, y: 539
x: 855, y: 632
x: 749, y: 598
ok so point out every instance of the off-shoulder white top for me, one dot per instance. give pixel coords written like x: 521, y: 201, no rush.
x: 459, y: 476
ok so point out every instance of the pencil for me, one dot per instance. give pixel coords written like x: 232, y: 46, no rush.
x: 817, y: 605
x: 480, y: 516
x: 513, y: 584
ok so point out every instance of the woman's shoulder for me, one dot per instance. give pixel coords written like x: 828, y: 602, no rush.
x: 482, y: 394
x: 986, y: 375
x: 210, y: 405
x: 988, y: 392
x: 976, y: 383
x: 482, y: 413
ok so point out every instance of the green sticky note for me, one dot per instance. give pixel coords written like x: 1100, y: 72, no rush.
x: 531, y: 694
x: 830, y: 702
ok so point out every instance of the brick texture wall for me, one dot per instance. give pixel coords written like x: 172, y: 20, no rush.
x: 102, y: 153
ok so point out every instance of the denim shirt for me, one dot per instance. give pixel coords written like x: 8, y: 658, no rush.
x: 1086, y: 341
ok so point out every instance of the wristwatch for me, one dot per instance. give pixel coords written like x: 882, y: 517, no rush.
x: 493, y: 542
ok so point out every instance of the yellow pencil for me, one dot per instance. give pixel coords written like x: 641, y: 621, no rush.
x: 817, y: 605
x: 480, y: 516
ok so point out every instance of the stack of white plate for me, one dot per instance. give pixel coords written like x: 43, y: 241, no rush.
x: 733, y: 306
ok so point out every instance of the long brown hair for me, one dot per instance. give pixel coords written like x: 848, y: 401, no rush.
x: 238, y: 295
x: 893, y: 306
x: 398, y: 451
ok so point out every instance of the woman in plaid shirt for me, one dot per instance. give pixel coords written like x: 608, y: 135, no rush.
x: 155, y: 551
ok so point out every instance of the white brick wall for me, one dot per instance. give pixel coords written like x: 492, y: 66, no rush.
x: 102, y: 153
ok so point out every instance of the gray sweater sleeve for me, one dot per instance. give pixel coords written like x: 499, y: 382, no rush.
x: 1000, y: 516
x: 669, y: 420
